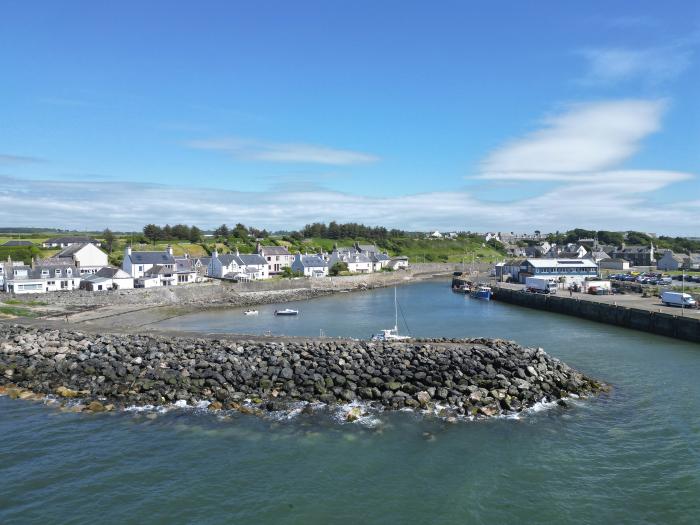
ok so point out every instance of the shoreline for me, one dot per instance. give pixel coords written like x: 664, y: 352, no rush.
x: 139, y: 308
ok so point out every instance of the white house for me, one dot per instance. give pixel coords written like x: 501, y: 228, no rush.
x: 614, y: 264
x: 87, y: 258
x: 238, y: 266
x: 357, y: 262
x: 137, y: 264
x: 435, y: 235
x: 107, y: 278
x: 186, y: 271
x: 398, y: 263
x: 64, y: 242
x: 157, y: 275
x: 41, y: 277
x: 278, y: 258
x: 310, y: 265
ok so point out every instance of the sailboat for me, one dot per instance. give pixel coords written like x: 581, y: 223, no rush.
x: 391, y: 334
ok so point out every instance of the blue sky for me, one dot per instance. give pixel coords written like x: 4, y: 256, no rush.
x: 508, y: 117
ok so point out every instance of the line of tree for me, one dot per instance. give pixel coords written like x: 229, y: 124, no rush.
x: 677, y: 244
x: 240, y: 231
x: 178, y: 232
x: 350, y: 230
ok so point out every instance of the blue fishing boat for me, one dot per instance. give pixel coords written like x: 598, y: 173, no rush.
x: 482, y: 292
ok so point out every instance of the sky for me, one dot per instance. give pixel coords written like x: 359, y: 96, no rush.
x: 498, y: 116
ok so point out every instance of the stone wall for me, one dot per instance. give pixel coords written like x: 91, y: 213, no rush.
x: 670, y: 325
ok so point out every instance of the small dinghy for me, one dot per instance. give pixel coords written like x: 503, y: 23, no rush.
x: 287, y: 311
x: 250, y: 312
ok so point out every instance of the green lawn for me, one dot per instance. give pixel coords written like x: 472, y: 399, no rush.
x: 17, y: 311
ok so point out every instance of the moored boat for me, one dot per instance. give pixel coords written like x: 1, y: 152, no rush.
x: 287, y: 311
x: 250, y: 312
x: 391, y: 334
x: 482, y: 292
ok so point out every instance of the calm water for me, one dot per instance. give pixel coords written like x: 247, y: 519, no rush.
x: 630, y: 457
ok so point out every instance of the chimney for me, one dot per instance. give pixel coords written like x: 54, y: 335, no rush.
x: 215, y: 253
x: 237, y: 251
x: 127, y: 250
x: 258, y: 247
x: 169, y: 249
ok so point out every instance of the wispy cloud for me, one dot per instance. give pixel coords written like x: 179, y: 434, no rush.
x: 584, y: 138
x: 71, y: 204
x: 256, y: 150
x: 19, y: 159
x: 609, y: 65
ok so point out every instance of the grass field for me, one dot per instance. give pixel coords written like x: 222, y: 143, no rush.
x: 420, y: 250
x: 17, y: 311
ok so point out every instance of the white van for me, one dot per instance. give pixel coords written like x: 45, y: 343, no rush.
x: 678, y: 299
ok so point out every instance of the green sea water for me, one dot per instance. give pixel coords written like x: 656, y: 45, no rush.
x: 632, y: 456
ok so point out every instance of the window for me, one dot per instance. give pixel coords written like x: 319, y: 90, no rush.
x: 57, y: 272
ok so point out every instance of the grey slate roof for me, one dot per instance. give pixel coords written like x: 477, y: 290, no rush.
x: 250, y: 259
x: 109, y: 272
x: 377, y: 257
x: 70, y: 250
x: 227, y: 258
x: 152, y: 258
x: 313, y: 261
x: 274, y: 250
x: 157, y: 270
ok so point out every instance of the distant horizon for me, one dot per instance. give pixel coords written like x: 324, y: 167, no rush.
x: 8, y: 230
x: 287, y: 114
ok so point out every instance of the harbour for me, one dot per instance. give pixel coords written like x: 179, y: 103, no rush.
x: 623, y: 457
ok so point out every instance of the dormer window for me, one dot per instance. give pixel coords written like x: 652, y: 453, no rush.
x: 44, y: 273
x: 69, y: 271
x: 57, y: 272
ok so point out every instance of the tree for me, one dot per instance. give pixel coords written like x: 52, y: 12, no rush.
x: 181, y: 232
x: 240, y: 231
x: 287, y: 272
x: 195, y: 234
x: 152, y: 232
x: 109, y: 239
x: 338, y: 267
x: 221, y: 231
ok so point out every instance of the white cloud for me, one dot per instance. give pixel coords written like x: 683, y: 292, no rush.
x: 654, y: 64
x: 607, y: 203
x: 585, y: 138
x: 282, y: 152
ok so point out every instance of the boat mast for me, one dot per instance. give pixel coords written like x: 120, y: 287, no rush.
x: 396, y: 313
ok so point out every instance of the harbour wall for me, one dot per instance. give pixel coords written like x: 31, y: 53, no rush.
x: 671, y: 325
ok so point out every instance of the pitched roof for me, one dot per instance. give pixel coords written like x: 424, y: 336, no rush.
x: 152, y: 258
x: 274, y: 250
x: 251, y: 258
x: 313, y: 261
x: 227, y: 258
x: 157, y: 270
x: 71, y: 250
x: 112, y: 273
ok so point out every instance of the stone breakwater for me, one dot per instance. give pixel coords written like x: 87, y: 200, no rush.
x: 475, y: 377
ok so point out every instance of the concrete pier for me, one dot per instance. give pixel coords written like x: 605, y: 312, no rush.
x: 625, y: 311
